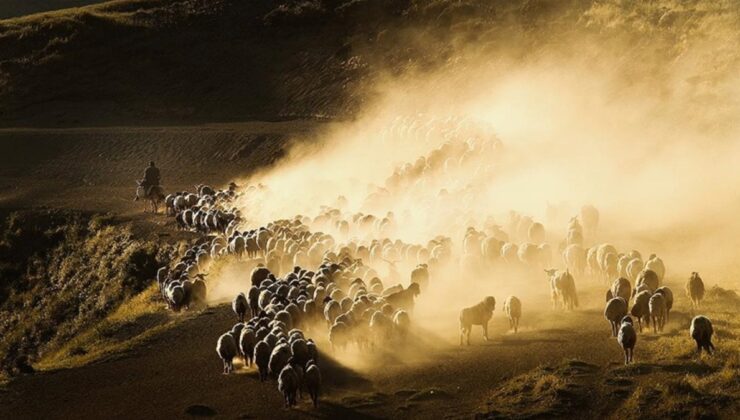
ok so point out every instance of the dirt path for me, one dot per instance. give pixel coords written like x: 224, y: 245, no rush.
x: 180, y: 369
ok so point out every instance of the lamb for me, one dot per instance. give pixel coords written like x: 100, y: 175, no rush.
x: 641, y: 308
x: 695, y: 290
x: 312, y: 379
x: 240, y: 306
x: 657, y: 311
x: 513, y: 311
x: 615, y: 310
x: 627, y: 338
x: 405, y: 298
x: 288, y: 384
x: 262, y: 354
x: 668, y: 295
x: 701, y: 331
x: 478, y: 314
x: 226, y: 349
x: 247, y: 342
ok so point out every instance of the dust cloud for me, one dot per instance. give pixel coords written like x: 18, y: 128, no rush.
x: 467, y: 144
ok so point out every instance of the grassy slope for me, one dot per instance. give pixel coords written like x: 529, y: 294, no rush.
x: 153, y: 61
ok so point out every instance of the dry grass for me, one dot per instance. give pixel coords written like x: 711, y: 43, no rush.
x: 135, y: 321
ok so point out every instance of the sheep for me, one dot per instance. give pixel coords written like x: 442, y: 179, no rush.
x: 655, y: 264
x: 633, y: 268
x: 622, y: 288
x: 313, y: 352
x: 339, y: 335
x: 562, y: 288
x: 478, y: 314
x: 420, y: 275
x: 380, y: 328
x: 299, y: 350
x: 279, y: 358
x: 574, y: 257
x: 513, y: 311
x: 312, y: 379
x: 701, y: 331
x: 648, y: 278
x: 615, y: 310
x: 227, y: 351
x: 288, y: 384
x: 247, y: 342
x: 627, y: 338
x: 695, y: 290
x: 668, y: 295
x: 332, y: 310
x: 262, y: 354
x: 401, y: 324
x: 641, y: 308
x: 657, y: 311
x: 240, y: 306
x: 405, y: 298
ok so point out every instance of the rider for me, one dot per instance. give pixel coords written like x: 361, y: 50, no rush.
x: 151, y: 178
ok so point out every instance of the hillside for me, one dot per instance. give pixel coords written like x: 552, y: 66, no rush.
x: 135, y: 62
x: 15, y: 8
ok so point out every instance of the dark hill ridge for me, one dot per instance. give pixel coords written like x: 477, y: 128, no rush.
x: 15, y: 8
x: 164, y: 62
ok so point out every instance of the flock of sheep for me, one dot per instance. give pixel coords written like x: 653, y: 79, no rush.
x: 321, y: 275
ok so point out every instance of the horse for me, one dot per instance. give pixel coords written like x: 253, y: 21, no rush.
x: 154, y: 197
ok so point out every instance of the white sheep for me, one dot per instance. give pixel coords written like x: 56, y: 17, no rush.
x: 695, y: 289
x: 513, y: 311
x: 478, y: 314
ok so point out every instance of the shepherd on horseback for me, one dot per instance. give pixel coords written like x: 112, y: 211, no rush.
x: 149, y: 187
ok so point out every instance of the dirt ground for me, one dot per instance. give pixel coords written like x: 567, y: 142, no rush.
x: 560, y: 365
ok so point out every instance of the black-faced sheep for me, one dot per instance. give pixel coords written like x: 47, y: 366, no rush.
x: 701, y: 331
x: 478, y: 314
x: 627, y: 338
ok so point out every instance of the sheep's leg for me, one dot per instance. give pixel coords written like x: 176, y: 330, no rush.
x: 485, y: 331
x: 626, y: 357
